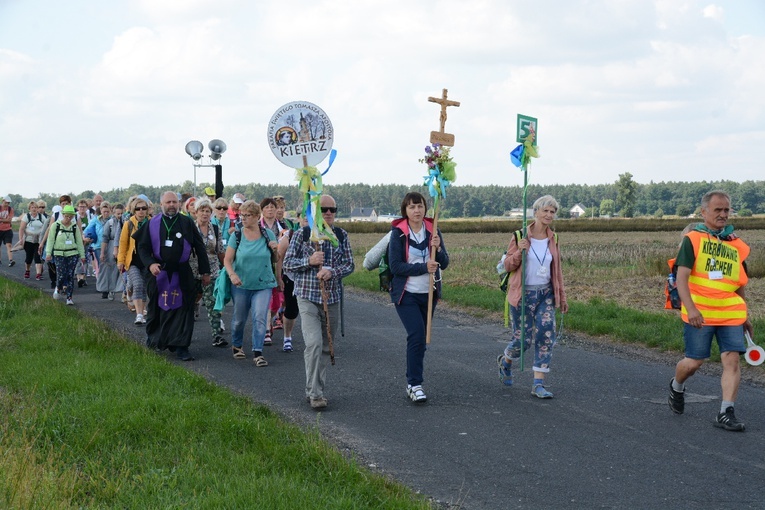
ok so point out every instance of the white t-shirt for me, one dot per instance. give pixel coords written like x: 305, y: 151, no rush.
x: 538, y: 261
x: 421, y: 283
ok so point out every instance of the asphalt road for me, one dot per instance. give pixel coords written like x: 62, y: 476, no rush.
x: 607, y: 439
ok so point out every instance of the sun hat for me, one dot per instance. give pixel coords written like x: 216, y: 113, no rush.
x: 209, y: 191
x: 68, y: 209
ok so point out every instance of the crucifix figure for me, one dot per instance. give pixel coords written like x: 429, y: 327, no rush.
x: 441, y: 137
x: 175, y: 294
x: 164, y: 295
x: 444, y: 103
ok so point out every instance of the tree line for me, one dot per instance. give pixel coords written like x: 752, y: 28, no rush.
x: 624, y: 197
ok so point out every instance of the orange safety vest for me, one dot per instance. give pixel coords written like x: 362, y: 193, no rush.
x: 716, y: 298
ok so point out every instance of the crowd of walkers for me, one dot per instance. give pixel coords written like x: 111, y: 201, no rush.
x: 203, y: 252
x: 165, y: 261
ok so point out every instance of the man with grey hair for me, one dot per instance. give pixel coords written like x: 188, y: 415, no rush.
x: 165, y: 246
x: 317, y: 270
x: 711, y: 277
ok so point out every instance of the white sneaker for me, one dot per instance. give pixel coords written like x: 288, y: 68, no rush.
x: 139, y: 319
x: 143, y: 319
x: 222, y: 326
x: 69, y: 301
x: 416, y: 394
x: 56, y: 295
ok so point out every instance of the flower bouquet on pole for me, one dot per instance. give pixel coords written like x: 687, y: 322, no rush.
x: 441, y: 173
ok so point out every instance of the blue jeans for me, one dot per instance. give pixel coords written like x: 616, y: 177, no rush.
x: 540, y: 325
x: 413, y: 312
x: 698, y: 341
x: 246, y: 301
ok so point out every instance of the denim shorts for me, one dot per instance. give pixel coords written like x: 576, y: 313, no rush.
x: 698, y: 341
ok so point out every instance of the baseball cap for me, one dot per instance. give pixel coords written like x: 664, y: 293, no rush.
x: 7, y: 198
x: 238, y: 199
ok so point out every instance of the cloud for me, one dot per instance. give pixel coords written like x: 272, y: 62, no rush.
x: 617, y: 86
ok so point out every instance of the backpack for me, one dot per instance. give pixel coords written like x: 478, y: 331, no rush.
x: 264, y: 235
x: 340, y: 234
x: 72, y: 229
x: 504, y: 276
x: 673, y: 301
x: 386, y: 276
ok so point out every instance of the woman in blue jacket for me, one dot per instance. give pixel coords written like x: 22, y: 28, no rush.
x: 411, y: 241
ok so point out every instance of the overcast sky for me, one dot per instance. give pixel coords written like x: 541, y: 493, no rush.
x: 103, y: 94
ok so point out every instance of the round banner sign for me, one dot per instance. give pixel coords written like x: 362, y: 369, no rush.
x: 300, y: 134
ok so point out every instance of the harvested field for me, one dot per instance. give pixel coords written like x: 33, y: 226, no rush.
x: 626, y: 267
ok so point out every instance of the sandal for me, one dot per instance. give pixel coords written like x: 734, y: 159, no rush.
x: 238, y: 353
x: 260, y: 361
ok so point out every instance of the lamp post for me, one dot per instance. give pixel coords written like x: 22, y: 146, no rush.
x: 217, y: 147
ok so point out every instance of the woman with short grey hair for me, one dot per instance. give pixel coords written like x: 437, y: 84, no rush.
x: 543, y: 291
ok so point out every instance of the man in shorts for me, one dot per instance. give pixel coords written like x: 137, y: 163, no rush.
x: 711, y: 276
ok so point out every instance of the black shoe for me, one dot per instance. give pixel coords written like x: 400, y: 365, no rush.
x: 183, y: 354
x: 11, y: 263
x: 676, y: 399
x: 104, y: 295
x: 728, y: 421
x: 219, y: 341
x: 80, y: 283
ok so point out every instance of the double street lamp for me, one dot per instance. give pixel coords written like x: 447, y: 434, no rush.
x: 217, y: 147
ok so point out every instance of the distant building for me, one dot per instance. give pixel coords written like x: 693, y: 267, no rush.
x: 577, y: 211
x: 517, y: 212
x: 363, y: 214
x: 387, y: 218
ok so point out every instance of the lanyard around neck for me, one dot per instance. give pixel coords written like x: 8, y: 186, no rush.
x: 547, y: 250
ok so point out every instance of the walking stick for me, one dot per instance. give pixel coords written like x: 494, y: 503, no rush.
x: 432, y: 278
x: 324, y: 299
x: 342, y: 310
x: 523, y: 264
x: 520, y: 157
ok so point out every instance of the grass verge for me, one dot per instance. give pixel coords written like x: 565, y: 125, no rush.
x: 91, y: 419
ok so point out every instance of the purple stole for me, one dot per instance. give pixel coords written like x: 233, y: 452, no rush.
x: 169, y: 293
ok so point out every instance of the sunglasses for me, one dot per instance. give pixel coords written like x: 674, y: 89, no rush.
x: 278, y: 197
x: 222, y: 208
x: 245, y: 216
x: 333, y: 210
x: 141, y: 208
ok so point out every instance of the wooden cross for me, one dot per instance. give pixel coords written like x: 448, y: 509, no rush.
x: 441, y: 137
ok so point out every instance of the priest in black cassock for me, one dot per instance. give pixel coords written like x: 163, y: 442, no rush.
x: 165, y: 244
